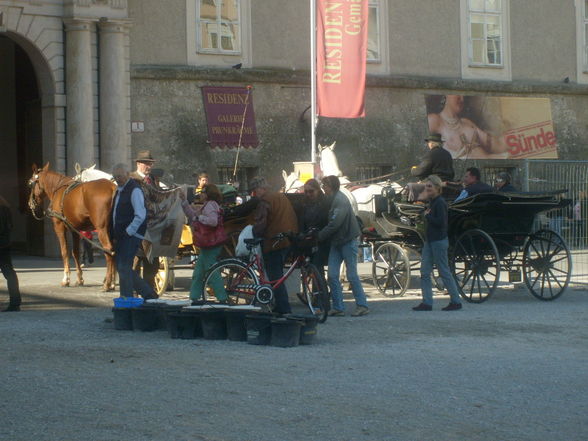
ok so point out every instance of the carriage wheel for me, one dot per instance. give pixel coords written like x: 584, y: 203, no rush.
x: 547, y: 265
x: 476, y: 265
x: 391, y: 269
x: 164, y: 276
x: 415, y: 265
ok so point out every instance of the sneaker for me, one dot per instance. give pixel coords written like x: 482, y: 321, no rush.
x: 423, y: 307
x: 452, y: 307
x: 336, y: 313
x: 359, y: 311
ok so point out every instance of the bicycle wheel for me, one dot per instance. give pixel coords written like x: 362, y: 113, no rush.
x: 315, y: 294
x: 239, y: 281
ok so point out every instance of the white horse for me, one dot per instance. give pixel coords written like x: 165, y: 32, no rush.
x: 293, y: 184
x: 90, y: 174
x: 363, y: 196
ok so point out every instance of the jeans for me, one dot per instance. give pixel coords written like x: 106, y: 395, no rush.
x: 348, y: 253
x: 150, y: 269
x: 206, y: 259
x: 125, y: 249
x: 436, y: 253
x: 10, y: 275
x: 274, y: 268
x: 88, y: 252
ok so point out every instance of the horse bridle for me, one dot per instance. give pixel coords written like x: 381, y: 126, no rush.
x: 32, y: 203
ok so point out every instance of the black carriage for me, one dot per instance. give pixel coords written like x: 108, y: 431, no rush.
x: 490, y: 234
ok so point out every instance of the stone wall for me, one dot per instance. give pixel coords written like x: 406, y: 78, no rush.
x: 169, y: 102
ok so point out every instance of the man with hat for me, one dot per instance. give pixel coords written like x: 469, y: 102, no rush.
x: 273, y: 215
x: 145, y: 161
x: 127, y: 227
x: 437, y: 161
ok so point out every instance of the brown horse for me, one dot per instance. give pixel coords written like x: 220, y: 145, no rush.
x: 84, y: 206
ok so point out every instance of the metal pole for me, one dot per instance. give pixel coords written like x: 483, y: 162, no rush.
x: 313, y: 115
x: 526, y: 175
x: 241, y: 133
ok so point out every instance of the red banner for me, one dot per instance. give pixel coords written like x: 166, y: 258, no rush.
x: 230, y: 116
x: 341, y: 51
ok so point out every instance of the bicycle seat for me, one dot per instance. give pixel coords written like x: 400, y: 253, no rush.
x: 253, y: 242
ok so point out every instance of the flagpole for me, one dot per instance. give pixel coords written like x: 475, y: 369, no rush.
x: 313, y: 115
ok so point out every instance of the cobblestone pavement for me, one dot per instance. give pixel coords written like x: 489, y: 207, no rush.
x: 513, y: 368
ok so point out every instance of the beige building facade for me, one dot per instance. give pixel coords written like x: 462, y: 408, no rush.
x: 93, y: 81
x: 416, y: 48
x: 64, y: 95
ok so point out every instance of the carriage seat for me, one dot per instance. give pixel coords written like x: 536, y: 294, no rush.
x: 451, y: 190
x: 409, y: 209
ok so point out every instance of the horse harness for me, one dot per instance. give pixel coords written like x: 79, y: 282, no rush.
x: 51, y: 213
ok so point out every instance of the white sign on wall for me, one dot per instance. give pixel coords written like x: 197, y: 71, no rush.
x: 137, y: 126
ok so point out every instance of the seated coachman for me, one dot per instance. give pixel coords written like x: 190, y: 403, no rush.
x: 437, y: 161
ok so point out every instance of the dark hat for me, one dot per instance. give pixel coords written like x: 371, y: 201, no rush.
x: 257, y: 182
x: 435, y: 137
x: 144, y: 156
x: 157, y: 173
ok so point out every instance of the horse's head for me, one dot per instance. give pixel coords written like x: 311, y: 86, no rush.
x: 328, y: 161
x: 37, y: 187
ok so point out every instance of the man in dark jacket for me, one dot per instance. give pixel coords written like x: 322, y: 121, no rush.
x: 437, y: 162
x: 343, y: 232
x: 128, y: 225
x: 473, y: 184
x: 5, y: 259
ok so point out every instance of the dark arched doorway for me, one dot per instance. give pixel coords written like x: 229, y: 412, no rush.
x: 21, y: 140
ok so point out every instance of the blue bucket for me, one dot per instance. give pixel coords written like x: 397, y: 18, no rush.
x: 127, y: 302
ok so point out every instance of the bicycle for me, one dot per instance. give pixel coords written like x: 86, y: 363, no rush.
x: 246, y: 282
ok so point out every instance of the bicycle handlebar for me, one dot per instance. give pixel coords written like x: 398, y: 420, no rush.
x: 309, y: 234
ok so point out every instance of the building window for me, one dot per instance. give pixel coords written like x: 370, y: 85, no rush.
x: 219, y: 26
x: 244, y: 175
x: 485, y: 32
x: 485, y: 40
x: 373, y: 46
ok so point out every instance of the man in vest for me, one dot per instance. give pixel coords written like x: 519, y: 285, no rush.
x: 128, y: 225
x: 144, y: 163
x: 274, y: 215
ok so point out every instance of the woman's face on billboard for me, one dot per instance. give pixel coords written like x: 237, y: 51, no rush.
x: 454, y: 103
